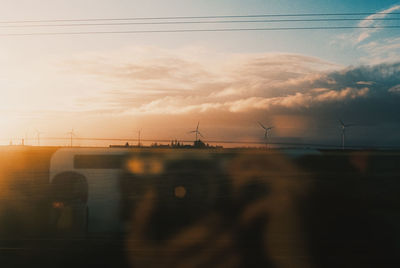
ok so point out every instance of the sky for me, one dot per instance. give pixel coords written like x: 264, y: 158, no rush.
x: 113, y: 85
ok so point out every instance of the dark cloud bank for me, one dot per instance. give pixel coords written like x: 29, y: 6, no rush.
x: 377, y: 112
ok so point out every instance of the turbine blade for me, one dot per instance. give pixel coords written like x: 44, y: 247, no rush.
x: 341, y: 122
x: 261, y: 125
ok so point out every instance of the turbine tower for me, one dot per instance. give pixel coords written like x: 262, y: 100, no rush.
x: 267, y: 133
x: 71, y: 134
x: 344, y: 126
x: 197, y: 131
x: 38, y: 136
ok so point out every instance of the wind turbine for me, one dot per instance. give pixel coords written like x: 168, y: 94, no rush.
x: 267, y: 133
x: 344, y: 126
x: 71, y: 133
x: 38, y: 136
x: 197, y: 131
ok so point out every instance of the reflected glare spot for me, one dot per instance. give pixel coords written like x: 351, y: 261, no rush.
x: 58, y: 205
x: 156, y: 167
x: 147, y: 166
x: 136, y: 166
x: 180, y: 192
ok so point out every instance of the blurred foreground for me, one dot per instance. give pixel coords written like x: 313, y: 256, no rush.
x: 80, y: 207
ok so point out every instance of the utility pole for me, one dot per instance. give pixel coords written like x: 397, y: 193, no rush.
x: 139, y: 138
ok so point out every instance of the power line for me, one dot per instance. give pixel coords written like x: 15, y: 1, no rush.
x: 203, y: 30
x: 186, y: 141
x: 209, y: 17
x: 320, y: 145
x: 195, y: 22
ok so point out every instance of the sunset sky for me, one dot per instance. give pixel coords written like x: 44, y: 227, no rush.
x: 112, y: 85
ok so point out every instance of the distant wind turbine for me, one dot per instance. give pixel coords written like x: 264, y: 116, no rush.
x: 72, y: 134
x: 344, y: 126
x: 267, y: 133
x: 38, y: 136
x: 197, y: 131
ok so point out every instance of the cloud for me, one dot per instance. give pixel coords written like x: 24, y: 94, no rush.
x: 297, y: 100
x: 395, y: 88
x: 156, y: 74
x: 372, y: 45
x: 170, y: 82
x: 368, y: 83
x: 381, y: 50
x: 241, y: 88
x: 168, y: 105
x: 371, y: 21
